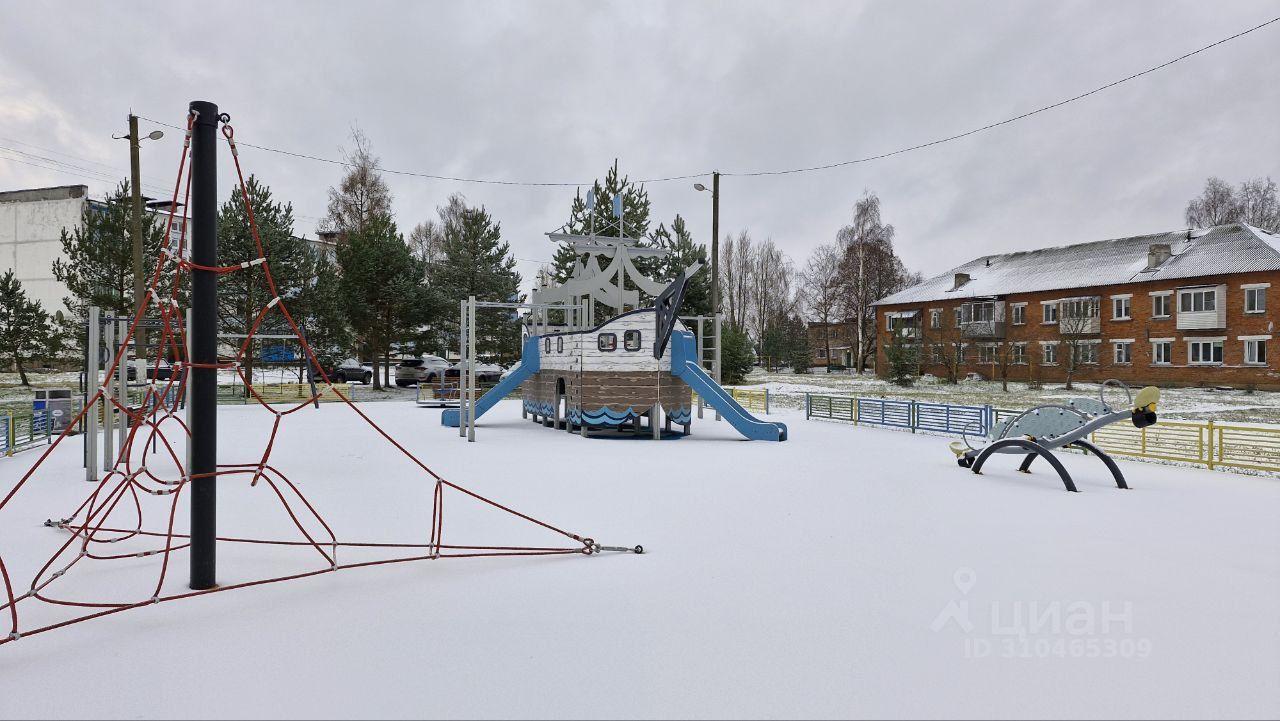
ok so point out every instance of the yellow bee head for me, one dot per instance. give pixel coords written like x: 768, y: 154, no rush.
x: 1147, y: 399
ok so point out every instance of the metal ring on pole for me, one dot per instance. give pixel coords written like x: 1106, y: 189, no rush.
x: 1102, y: 390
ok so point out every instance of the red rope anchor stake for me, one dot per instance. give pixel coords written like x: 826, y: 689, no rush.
x: 112, y: 514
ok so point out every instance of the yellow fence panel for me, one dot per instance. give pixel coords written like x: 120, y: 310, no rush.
x: 752, y: 400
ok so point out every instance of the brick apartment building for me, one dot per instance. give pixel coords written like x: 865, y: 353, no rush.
x: 1177, y: 308
x: 840, y: 337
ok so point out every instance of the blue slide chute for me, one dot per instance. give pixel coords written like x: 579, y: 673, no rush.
x: 685, y: 366
x: 528, y: 365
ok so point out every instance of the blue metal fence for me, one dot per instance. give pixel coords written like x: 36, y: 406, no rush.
x: 947, y: 418
x: 911, y: 415
x: 884, y: 412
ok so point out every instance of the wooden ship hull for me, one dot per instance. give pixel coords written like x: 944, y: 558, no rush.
x: 607, y: 376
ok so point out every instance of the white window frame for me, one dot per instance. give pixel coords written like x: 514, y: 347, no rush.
x: 1018, y: 313
x: 1208, y: 296
x: 1116, y: 345
x: 987, y: 349
x: 1047, y: 349
x: 935, y: 319
x: 1258, y: 292
x: 1116, y: 301
x: 1167, y: 295
x: 1079, y: 308
x: 1045, y: 306
x: 1251, y: 343
x: 1018, y: 354
x: 1167, y: 343
x: 1217, y: 344
x: 1092, y: 345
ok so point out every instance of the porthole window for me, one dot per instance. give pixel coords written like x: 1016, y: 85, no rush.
x: 559, y: 344
x: 607, y: 342
x: 546, y: 345
x: 631, y: 340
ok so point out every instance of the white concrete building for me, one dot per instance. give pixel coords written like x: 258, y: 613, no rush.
x: 31, y: 223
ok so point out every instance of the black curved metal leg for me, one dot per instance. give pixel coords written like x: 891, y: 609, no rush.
x: 1026, y: 463
x: 1034, y: 448
x: 1111, y: 465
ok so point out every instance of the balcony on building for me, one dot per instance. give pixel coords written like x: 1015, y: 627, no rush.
x: 904, y: 323
x: 1202, y: 307
x: 1080, y: 315
x: 982, y: 319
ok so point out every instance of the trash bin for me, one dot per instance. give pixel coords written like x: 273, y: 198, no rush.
x: 52, y: 406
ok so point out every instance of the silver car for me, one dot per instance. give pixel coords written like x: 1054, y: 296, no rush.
x: 424, y: 369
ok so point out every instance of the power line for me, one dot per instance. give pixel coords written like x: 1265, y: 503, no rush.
x: 789, y: 171
x: 1016, y: 118
x: 70, y: 168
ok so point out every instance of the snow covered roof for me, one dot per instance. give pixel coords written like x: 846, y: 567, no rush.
x: 1220, y: 250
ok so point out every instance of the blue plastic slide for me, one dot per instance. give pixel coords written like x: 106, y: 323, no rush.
x: 528, y: 365
x: 685, y: 366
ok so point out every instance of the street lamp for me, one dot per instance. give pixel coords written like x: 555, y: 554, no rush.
x: 715, y: 239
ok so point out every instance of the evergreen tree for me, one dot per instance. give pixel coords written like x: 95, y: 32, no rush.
x: 737, y: 357
x: 326, y: 326
x: 799, y: 355
x: 244, y: 293
x: 380, y: 285
x: 902, y: 358
x: 684, y: 252
x: 97, y: 263
x: 24, y: 325
x: 600, y: 220
x: 478, y: 262
x: 773, y: 346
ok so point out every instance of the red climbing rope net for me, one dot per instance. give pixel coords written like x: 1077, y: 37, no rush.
x: 112, y: 514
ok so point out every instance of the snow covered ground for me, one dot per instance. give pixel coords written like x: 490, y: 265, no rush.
x: 846, y: 572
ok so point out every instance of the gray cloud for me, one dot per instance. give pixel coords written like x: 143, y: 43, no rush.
x: 555, y: 91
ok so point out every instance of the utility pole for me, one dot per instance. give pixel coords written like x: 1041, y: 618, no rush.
x: 139, y: 282
x: 715, y: 243
x: 715, y: 239
x: 135, y: 185
x: 203, y: 374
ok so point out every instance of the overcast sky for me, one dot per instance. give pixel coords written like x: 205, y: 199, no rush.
x: 554, y: 91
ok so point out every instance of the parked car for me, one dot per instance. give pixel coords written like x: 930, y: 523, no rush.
x: 424, y: 369
x: 485, y: 372
x: 352, y: 371
x: 162, y: 372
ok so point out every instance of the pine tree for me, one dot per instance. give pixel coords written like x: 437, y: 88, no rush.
x: 601, y: 221
x: 737, y: 358
x: 799, y: 354
x: 902, y: 360
x: 478, y: 262
x: 380, y: 285
x: 243, y: 294
x: 328, y: 332
x: 683, y: 253
x: 24, y: 325
x: 98, y: 264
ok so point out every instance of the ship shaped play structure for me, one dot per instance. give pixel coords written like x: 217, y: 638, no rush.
x: 634, y: 367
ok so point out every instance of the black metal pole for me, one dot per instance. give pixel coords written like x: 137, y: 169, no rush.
x: 203, y: 412
x: 715, y: 245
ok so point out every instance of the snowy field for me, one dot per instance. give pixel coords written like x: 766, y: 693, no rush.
x: 846, y: 572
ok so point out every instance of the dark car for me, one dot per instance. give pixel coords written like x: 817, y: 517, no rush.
x: 485, y: 372
x: 351, y: 371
